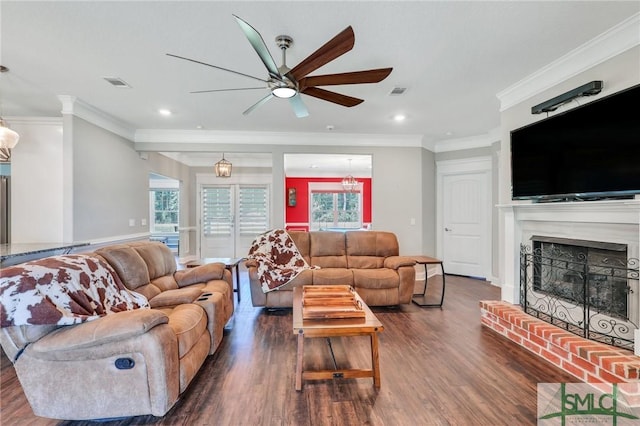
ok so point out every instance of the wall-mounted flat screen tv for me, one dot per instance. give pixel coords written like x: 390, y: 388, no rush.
x: 589, y: 152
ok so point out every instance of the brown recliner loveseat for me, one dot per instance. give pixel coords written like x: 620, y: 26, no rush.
x: 367, y: 260
x: 130, y: 363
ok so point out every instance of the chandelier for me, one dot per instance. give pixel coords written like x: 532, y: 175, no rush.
x: 223, y: 167
x: 8, y: 138
x: 349, y: 183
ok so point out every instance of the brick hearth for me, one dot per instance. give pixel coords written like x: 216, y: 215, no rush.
x: 589, y: 361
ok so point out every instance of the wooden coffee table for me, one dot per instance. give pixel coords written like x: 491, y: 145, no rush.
x: 367, y: 326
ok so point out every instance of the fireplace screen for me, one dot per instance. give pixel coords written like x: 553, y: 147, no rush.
x: 583, y: 286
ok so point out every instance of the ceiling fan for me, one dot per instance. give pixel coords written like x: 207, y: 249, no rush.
x: 287, y: 83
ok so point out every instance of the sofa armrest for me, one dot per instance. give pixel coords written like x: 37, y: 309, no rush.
x: 395, y: 262
x: 200, y: 274
x: 249, y: 263
x: 108, y: 329
x: 177, y: 296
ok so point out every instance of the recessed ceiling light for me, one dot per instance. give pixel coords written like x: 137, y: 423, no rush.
x: 313, y: 166
x: 399, y: 117
x: 449, y: 133
x: 164, y: 112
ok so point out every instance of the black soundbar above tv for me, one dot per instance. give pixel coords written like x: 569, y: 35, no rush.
x: 589, y: 152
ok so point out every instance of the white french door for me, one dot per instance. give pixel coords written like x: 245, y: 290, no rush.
x: 231, y: 216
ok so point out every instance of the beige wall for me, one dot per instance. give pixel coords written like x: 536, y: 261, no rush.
x: 402, y: 178
x: 110, y: 184
x: 618, y: 73
x: 37, y: 182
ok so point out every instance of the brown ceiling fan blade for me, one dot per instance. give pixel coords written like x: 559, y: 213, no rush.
x: 339, y: 45
x: 334, y: 97
x: 355, y: 77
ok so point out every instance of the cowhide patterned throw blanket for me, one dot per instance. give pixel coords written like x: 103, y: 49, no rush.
x: 279, y: 260
x: 63, y: 290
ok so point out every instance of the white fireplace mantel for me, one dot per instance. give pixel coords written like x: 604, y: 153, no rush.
x: 616, y: 221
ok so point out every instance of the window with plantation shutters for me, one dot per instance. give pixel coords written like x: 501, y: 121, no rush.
x: 253, y: 218
x: 217, y: 217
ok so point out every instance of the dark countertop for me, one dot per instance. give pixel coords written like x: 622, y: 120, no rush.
x: 13, y: 253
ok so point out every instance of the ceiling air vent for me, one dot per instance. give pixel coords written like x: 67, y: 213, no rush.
x: 117, y: 82
x: 397, y: 91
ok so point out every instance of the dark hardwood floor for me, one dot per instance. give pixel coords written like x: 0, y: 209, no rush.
x: 439, y: 367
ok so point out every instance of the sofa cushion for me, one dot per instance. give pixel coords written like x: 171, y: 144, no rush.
x: 175, y: 297
x: 129, y: 265
x: 167, y: 282
x: 200, y: 274
x: 332, y: 276
x: 302, y: 240
x: 379, y: 244
x: 375, y: 278
x: 327, y: 249
x: 189, y: 322
x: 158, y: 257
x: 365, y: 262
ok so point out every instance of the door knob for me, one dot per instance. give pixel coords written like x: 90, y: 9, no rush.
x: 447, y: 229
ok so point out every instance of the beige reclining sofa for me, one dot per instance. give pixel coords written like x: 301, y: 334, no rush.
x: 367, y: 260
x: 129, y: 363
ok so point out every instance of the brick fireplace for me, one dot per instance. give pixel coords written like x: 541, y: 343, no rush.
x: 614, y: 223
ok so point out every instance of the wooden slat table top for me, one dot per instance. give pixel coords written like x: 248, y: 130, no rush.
x: 333, y: 327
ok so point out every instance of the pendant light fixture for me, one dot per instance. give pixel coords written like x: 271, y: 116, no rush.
x: 349, y: 183
x: 8, y: 138
x: 223, y: 168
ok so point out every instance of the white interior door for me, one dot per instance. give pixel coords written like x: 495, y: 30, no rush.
x: 465, y: 225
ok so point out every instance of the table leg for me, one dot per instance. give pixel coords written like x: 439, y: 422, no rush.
x: 299, y: 360
x: 375, y: 359
x: 421, y: 300
x: 238, y: 281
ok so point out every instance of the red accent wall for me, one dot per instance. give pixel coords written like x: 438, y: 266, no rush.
x: 300, y: 213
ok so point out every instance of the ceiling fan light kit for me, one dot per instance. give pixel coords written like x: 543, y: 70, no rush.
x: 285, y: 83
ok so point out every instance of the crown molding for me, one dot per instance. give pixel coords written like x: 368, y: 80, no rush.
x: 274, y: 138
x: 478, y: 141
x: 74, y: 106
x: 41, y: 121
x: 612, y: 42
